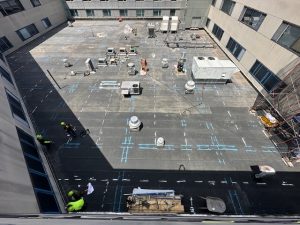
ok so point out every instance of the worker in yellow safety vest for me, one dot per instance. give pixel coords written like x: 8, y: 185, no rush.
x: 75, y: 206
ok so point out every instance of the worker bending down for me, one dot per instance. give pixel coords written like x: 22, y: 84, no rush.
x: 70, y: 130
x: 43, y: 141
x: 76, y: 202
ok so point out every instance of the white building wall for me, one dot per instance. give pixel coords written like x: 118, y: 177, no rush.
x: 53, y: 9
x: 16, y: 191
x: 130, y: 5
x: 258, y: 44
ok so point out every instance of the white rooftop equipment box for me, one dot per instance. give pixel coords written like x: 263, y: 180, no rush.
x: 164, y: 24
x: 212, y: 70
x: 174, y: 24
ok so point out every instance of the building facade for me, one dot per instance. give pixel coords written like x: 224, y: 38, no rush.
x: 26, y: 182
x: 21, y: 21
x: 261, y: 37
x: 192, y: 13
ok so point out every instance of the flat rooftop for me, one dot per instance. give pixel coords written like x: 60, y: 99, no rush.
x: 210, y: 133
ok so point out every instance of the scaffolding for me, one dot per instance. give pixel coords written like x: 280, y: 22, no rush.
x: 283, y: 102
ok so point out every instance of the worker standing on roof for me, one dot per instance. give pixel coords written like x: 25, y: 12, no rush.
x: 43, y: 141
x: 69, y: 129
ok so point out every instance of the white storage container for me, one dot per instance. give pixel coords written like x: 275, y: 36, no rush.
x: 211, y: 69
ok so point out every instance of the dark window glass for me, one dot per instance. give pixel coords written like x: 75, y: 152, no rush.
x: 5, y: 44
x: 123, y: 12
x: 47, y: 202
x: 252, y: 18
x: 16, y: 106
x: 106, y: 12
x: 6, y: 75
x: 27, y: 32
x: 46, y: 22
x: 1, y: 57
x: 288, y: 36
x: 156, y: 12
x: 40, y: 181
x: 35, y: 3
x: 207, y: 22
x: 235, y: 48
x: 90, y: 12
x: 139, y: 12
x: 29, y: 149
x: 227, y: 6
x: 218, y: 32
x: 73, y: 12
x: 264, y: 76
x: 8, y: 7
x: 24, y: 137
x: 172, y: 12
x: 34, y: 164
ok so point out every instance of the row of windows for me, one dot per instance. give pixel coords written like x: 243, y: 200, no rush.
x: 261, y: 73
x: 122, y: 0
x: 287, y: 35
x: 40, y: 182
x: 9, y: 7
x: 24, y: 33
x: 122, y: 12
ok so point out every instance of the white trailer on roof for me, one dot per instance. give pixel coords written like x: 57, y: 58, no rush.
x: 212, y: 70
x: 174, y: 24
x: 164, y: 26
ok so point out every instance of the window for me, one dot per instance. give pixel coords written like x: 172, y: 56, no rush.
x: 73, y: 12
x: 235, y: 48
x: 27, y: 32
x: 252, y: 18
x: 106, y: 12
x: 9, y: 7
x: 264, y: 76
x: 5, y: 44
x: 156, y: 12
x: 35, y: 3
x: 213, y: 2
x: 90, y: 12
x: 123, y: 12
x: 218, y: 32
x: 172, y: 12
x: 6, y: 75
x: 16, y: 107
x: 46, y: 22
x: 1, y: 57
x: 207, y: 22
x: 288, y: 36
x: 227, y: 6
x: 40, y: 182
x: 139, y: 12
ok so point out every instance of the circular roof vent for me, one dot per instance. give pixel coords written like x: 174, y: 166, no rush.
x: 201, y: 58
x: 211, y: 58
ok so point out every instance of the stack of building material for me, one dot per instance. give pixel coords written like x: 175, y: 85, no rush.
x: 174, y: 24
x: 164, y: 26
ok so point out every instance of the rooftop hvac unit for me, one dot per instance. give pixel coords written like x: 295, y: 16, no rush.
x: 212, y: 70
x: 164, y: 24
